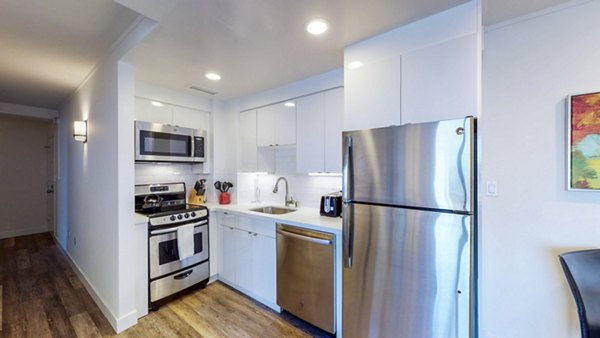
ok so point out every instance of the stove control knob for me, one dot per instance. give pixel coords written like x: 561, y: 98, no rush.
x: 186, y: 215
x: 193, y: 214
x: 179, y: 216
x: 172, y: 218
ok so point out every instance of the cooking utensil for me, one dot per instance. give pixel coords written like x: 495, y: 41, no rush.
x: 200, y: 188
x: 218, y: 185
x: 229, y: 185
x: 152, y: 201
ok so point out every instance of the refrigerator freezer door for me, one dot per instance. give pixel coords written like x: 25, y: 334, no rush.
x: 410, y: 274
x: 426, y: 165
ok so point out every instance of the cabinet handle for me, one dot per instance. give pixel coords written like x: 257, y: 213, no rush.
x: 183, y: 275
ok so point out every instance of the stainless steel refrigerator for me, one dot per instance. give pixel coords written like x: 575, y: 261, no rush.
x: 409, y: 230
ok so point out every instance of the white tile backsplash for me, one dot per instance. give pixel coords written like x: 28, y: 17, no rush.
x: 147, y: 173
x: 306, y: 189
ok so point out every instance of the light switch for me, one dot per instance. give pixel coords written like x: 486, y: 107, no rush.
x: 491, y: 188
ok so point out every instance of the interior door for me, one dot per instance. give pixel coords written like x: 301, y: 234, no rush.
x: 410, y: 274
x: 50, y: 178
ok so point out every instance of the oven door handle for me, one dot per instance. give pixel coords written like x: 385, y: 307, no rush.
x: 174, y: 229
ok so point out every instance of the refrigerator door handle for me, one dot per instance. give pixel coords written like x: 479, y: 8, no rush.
x: 348, y: 208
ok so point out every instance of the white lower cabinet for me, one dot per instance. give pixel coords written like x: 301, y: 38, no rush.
x: 249, y: 257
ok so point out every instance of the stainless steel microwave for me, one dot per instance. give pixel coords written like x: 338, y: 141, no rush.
x: 155, y: 142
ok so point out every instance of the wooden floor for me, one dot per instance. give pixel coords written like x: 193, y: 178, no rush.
x: 40, y: 296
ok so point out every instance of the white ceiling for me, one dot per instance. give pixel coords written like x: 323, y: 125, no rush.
x: 48, y: 47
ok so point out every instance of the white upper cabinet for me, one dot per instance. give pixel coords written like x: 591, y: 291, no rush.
x: 191, y: 118
x: 171, y: 114
x: 146, y: 111
x: 427, y: 70
x: 372, y: 95
x: 252, y: 158
x: 310, y: 146
x: 319, y: 137
x: 333, y: 104
x: 439, y: 82
x: 276, y: 126
x: 265, y: 126
x: 247, y: 134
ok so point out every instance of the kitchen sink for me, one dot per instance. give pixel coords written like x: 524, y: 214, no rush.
x: 273, y: 210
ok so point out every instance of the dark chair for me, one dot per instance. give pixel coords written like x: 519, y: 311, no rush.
x: 582, y: 269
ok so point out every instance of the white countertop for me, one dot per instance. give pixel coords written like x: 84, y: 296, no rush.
x: 302, y: 217
x: 141, y: 219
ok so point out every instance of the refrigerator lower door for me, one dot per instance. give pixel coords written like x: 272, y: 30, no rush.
x: 410, y: 275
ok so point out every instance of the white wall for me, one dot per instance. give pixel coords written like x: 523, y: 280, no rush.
x: 23, y: 175
x: 306, y: 189
x: 95, y: 188
x: 529, y: 67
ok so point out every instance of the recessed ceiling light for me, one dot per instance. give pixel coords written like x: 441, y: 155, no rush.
x: 355, y: 64
x: 289, y: 104
x: 317, y: 26
x: 213, y: 76
x: 157, y: 104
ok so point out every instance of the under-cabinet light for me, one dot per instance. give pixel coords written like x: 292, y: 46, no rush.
x: 324, y: 174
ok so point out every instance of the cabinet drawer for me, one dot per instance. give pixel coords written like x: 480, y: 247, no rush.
x: 245, y: 223
x: 264, y: 227
x: 228, y: 219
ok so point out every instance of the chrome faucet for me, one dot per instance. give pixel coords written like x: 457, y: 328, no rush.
x: 289, y: 200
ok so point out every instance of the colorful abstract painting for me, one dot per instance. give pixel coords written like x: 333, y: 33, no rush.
x: 584, y: 144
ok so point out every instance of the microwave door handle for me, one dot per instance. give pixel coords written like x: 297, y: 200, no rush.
x: 348, y: 203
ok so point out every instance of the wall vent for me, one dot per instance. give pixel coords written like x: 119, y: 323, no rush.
x: 200, y: 89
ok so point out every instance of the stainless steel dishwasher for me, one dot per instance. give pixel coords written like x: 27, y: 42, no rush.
x: 305, y: 275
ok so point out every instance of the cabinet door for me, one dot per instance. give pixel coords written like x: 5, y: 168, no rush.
x: 310, y: 152
x: 333, y: 108
x: 191, y: 118
x: 146, y: 111
x: 285, y: 125
x: 247, y: 132
x: 244, y: 260
x: 228, y: 253
x: 214, y: 244
x: 265, y: 126
x: 265, y: 267
x: 440, y: 82
x: 372, y: 95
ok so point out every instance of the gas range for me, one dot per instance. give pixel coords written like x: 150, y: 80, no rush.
x: 178, y: 234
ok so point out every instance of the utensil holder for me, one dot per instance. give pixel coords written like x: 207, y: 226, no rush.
x: 224, y: 198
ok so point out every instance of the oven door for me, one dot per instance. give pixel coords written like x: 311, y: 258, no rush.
x: 164, y: 255
x: 159, y: 142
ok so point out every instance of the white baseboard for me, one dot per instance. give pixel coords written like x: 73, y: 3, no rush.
x: 118, y: 324
x: 22, y: 232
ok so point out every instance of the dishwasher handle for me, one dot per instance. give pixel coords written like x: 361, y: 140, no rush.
x: 305, y: 238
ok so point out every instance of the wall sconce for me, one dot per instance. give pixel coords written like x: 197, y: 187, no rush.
x: 80, y: 131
